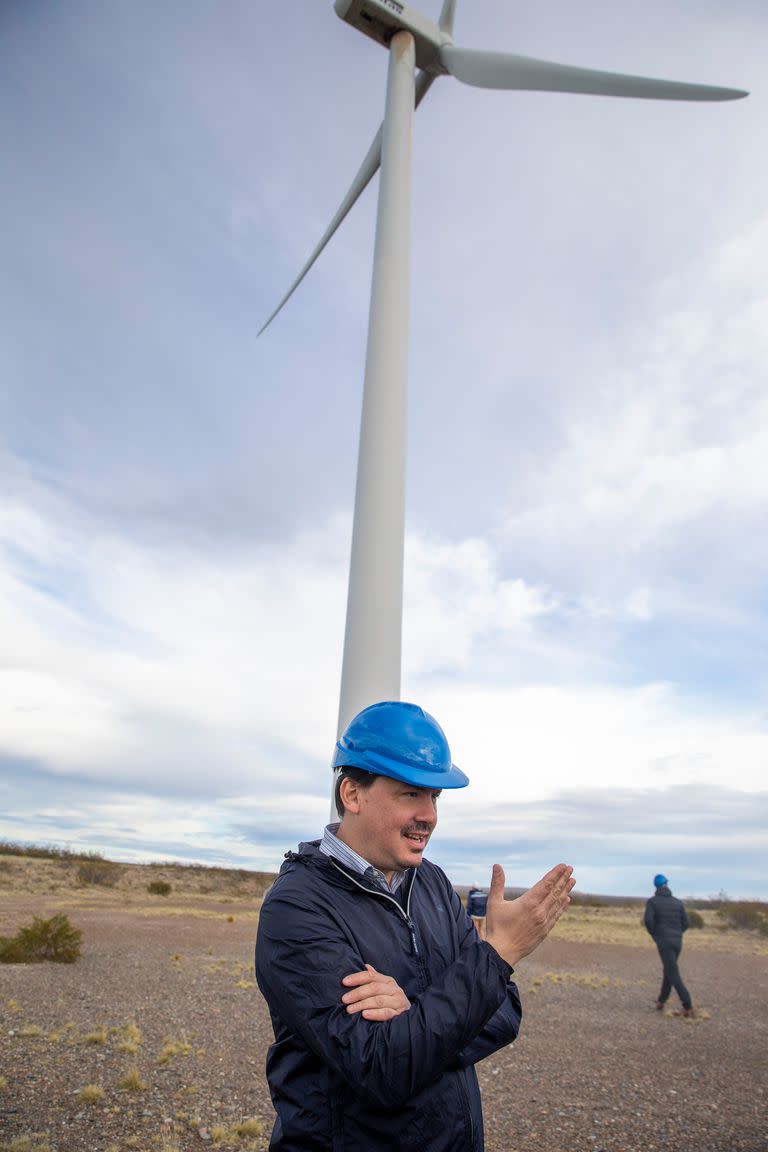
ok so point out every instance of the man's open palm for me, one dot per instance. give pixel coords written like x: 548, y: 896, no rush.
x: 515, y: 927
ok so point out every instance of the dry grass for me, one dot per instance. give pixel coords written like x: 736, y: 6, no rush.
x: 131, y: 1081
x: 37, y: 1142
x: 623, y: 924
x: 129, y: 1038
x: 172, y: 1048
x: 85, y: 880
x: 246, y: 1130
x: 31, y: 1032
x: 98, y: 1036
x: 91, y: 1094
x: 582, y: 979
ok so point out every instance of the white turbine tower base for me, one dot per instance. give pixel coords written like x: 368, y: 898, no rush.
x: 373, y: 636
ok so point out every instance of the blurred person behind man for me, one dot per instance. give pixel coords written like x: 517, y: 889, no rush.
x: 666, y: 920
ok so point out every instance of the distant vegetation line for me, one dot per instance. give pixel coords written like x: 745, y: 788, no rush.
x: 52, y: 852
x: 747, y: 914
x: 45, y: 851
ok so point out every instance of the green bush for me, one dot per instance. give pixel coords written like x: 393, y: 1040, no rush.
x: 159, y: 888
x: 695, y: 919
x: 749, y: 914
x: 55, y: 939
x: 97, y: 871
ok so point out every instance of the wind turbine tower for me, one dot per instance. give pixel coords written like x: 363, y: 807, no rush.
x: 420, y: 52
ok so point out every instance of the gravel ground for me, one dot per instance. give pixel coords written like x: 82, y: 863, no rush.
x: 595, y: 1067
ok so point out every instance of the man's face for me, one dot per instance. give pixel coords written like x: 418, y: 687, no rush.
x: 389, y: 824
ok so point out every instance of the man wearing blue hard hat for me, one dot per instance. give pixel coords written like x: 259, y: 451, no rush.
x: 666, y: 919
x: 382, y: 995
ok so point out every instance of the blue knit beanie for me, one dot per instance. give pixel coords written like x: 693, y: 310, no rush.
x: 660, y: 880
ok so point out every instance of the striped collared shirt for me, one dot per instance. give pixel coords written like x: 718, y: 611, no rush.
x: 330, y: 845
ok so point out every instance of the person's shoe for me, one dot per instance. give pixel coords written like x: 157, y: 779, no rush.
x: 689, y: 1013
x: 659, y: 1005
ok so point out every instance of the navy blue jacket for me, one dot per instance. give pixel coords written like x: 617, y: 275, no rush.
x: 341, y: 1083
x: 666, y: 918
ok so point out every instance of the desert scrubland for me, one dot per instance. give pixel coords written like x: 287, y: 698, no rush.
x: 155, y: 1038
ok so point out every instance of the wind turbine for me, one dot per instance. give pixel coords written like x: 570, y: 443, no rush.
x: 372, y: 642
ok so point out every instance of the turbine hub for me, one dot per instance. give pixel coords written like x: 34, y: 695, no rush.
x: 382, y: 19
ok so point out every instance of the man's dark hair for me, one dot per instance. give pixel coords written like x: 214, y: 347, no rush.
x: 359, y: 775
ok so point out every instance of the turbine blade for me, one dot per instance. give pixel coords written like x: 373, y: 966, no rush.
x: 365, y: 174
x: 445, y: 23
x: 499, y: 70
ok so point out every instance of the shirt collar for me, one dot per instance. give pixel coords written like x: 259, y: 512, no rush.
x: 330, y: 845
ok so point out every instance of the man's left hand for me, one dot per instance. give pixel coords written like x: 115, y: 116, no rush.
x: 376, y: 996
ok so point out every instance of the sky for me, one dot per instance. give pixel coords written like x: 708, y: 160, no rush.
x: 586, y: 572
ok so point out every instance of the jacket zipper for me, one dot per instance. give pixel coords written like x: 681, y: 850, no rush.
x: 405, y: 913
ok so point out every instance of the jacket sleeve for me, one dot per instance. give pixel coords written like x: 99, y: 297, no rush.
x: 501, y: 1030
x: 649, y: 919
x: 684, y: 924
x: 504, y: 1025
x: 302, y: 953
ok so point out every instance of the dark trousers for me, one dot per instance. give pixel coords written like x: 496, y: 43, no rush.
x: 672, y: 978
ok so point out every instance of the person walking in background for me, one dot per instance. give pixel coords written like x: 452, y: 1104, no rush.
x: 666, y: 919
x: 382, y: 995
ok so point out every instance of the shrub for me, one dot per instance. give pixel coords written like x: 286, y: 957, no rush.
x: 249, y: 1128
x: 98, y: 1036
x: 9, y: 848
x: 130, y: 1039
x: 91, y: 1094
x: 586, y: 900
x: 98, y: 871
x: 132, y: 1081
x: 35, y: 1143
x: 173, y: 1048
x: 55, y: 939
x: 749, y: 914
x: 159, y: 888
x: 695, y: 919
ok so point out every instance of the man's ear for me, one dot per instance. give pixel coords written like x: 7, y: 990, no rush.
x: 349, y: 792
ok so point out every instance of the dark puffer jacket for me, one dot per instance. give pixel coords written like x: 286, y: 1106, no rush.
x: 665, y: 917
x: 342, y: 1083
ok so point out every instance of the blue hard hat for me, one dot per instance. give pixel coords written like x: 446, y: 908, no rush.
x: 659, y: 880
x: 402, y: 741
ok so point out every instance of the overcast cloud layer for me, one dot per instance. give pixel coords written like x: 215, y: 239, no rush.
x: 586, y: 557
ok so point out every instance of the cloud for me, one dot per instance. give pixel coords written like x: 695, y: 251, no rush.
x: 455, y: 597
x: 674, y: 435
x: 703, y: 837
x: 178, y: 680
x: 139, y: 658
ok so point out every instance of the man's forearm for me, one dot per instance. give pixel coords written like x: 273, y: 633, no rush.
x: 389, y: 1062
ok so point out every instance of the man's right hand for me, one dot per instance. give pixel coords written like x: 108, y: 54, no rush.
x: 374, y: 995
x: 515, y: 927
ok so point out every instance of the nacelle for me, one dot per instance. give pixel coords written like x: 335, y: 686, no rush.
x: 381, y: 19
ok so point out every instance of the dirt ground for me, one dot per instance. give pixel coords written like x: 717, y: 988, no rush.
x: 164, y: 995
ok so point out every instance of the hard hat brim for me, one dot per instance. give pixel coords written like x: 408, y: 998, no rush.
x: 379, y: 765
